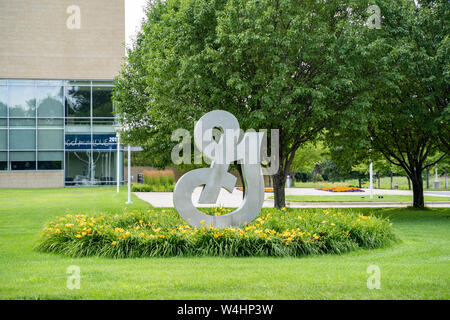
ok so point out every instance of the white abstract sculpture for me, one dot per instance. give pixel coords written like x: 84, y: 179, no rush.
x: 222, y: 154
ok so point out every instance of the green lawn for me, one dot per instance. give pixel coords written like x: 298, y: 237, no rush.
x: 418, y: 267
x: 385, y: 183
x: 357, y: 198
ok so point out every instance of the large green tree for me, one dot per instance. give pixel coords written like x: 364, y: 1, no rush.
x: 274, y: 64
x: 405, y: 79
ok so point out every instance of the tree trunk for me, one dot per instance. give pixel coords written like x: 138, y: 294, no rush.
x: 428, y: 179
x: 279, y: 180
x: 409, y: 183
x: 418, y: 199
x: 392, y: 181
x: 360, y: 182
x: 239, y: 170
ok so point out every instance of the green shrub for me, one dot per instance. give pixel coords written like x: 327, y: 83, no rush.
x: 152, y: 188
x: 161, y: 232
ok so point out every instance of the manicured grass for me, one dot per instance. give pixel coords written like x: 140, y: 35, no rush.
x: 415, y: 268
x: 357, y: 198
x: 385, y: 183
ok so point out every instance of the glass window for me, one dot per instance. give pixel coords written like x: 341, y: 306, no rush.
x: 53, y: 83
x: 102, y: 83
x: 51, y: 123
x: 103, y: 126
x: 50, y: 160
x: 50, y: 102
x: 3, y: 123
x: 50, y: 139
x: 105, y: 163
x: 102, y: 105
x: 23, y: 160
x: 78, y: 101
x: 21, y: 82
x: 3, y: 139
x: 78, y: 122
x: 74, y: 125
x: 91, y: 168
x: 22, y: 102
x: 22, y: 123
x: 78, y: 168
x: 3, y: 101
x: 78, y: 83
x: 22, y: 139
x: 3, y: 161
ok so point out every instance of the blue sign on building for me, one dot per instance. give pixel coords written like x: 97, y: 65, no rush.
x: 84, y: 141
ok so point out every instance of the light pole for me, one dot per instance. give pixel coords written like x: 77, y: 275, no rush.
x: 436, y: 184
x: 371, y: 170
x: 371, y: 179
x: 129, y: 175
x: 118, y: 128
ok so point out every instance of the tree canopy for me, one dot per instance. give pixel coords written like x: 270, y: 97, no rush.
x: 405, y: 80
x: 274, y: 64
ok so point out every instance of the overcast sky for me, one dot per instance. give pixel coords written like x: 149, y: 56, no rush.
x: 134, y: 13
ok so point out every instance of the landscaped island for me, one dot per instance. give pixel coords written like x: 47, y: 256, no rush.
x: 161, y: 232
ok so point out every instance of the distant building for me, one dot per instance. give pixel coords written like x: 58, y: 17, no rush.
x: 57, y: 62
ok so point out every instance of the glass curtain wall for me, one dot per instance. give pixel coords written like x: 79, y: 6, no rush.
x: 90, y: 141
x: 3, y: 126
x: 31, y: 125
x: 59, y: 125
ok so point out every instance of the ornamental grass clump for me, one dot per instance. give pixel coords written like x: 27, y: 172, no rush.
x: 162, y: 233
x: 156, y: 181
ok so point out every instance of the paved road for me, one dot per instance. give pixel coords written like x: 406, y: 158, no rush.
x: 358, y: 204
x: 234, y: 199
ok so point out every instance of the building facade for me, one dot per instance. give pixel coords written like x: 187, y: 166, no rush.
x: 57, y: 62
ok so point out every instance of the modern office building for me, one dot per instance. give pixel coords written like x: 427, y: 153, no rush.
x: 57, y: 62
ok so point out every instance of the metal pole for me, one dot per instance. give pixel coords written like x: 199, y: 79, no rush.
x: 371, y: 180
x: 118, y: 162
x: 445, y: 179
x: 392, y: 181
x: 436, y: 184
x: 129, y: 175
x: 379, y: 179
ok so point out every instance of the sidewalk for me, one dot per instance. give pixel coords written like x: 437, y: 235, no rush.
x: 291, y: 204
x: 234, y: 199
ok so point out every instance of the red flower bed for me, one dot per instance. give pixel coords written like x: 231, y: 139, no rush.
x: 341, y: 189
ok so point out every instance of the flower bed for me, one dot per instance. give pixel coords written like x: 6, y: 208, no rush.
x: 341, y: 189
x: 265, y: 189
x: 161, y: 232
